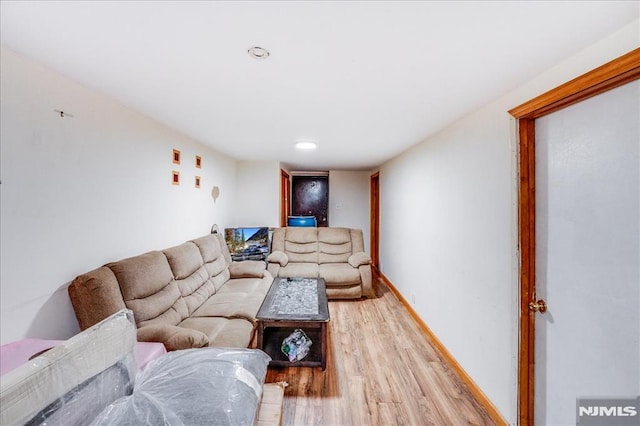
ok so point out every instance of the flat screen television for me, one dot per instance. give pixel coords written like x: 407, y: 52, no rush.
x: 247, y: 243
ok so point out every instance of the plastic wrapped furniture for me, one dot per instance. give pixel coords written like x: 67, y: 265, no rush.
x: 88, y: 379
x: 194, y: 387
x: 73, y: 382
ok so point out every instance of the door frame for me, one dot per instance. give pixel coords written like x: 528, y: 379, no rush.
x: 618, y: 72
x: 285, y: 197
x: 374, y: 221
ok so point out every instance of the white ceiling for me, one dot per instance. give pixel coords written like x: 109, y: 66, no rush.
x: 365, y: 80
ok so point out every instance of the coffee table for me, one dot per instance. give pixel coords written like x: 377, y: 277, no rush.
x: 290, y: 304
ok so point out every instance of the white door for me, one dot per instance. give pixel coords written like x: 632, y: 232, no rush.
x: 588, y: 253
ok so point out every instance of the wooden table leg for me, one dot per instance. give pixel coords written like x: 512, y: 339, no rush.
x: 323, y: 333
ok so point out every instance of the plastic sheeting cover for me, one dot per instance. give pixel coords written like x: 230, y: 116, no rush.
x: 71, y: 383
x: 205, y: 386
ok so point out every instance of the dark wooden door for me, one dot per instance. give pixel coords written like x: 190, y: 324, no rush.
x: 310, y: 197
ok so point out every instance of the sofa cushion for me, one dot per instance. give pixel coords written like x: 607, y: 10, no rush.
x: 209, y: 247
x: 339, y: 274
x: 148, y: 288
x: 301, y: 252
x: 239, y: 298
x: 334, y: 245
x: 190, y: 274
x: 334, y: 235
x: 218, y: 272
x: 293, y: 270
x: 214, y: 256
x: 357, y: 239
x: 247, y: 269
x: 334, y: 253
x: 223, y: 247
x: 278, y: 257
x: 184, y: 259
x: 223, y: 332
x: 301, y: 235
x: 173, y: 337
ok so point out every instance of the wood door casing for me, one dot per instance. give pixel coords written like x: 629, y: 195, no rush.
x: 375, y: 221
x: 609, y: 76
x: 285, y: 197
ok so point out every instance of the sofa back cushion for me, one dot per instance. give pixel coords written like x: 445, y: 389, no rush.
x: 357, y: 239
x: 301, y: 244
x: 223, y: 247
x: 190, y: 274
x: 215, y: 261
x: 334, y: 245
x: 149, y: 289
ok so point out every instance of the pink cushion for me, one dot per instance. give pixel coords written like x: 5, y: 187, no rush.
x: 14, y: 354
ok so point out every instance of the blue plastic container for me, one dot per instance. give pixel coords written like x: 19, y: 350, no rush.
x: 309, y: 221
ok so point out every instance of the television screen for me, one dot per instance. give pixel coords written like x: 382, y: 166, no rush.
x: 247, y: 243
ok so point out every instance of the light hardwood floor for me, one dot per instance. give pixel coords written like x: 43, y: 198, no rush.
x: 381, y: 370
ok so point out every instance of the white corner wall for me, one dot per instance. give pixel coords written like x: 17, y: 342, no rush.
x: 349, y: 201
x: 257, y: 194
x: 79, y: 192
x: 449, y: 228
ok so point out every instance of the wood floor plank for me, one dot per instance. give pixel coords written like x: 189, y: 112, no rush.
x: 381, y: 370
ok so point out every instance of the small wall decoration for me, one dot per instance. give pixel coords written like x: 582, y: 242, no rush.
x: 197, y: 181
x: 176, y: 156
x: 215, y: 193
x: 176, y: 177
x: 198, y: 162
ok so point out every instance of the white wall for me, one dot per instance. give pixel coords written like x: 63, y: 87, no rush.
x: 257, y: 194
x: 79, y: 192
x: 449, y: 228
x: 349, y: 201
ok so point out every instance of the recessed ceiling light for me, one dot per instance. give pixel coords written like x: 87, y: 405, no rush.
x: 306, y: 145
x: 258, y: 53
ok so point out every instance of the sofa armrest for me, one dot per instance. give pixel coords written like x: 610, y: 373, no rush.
x: 173, y: 337
x: 359, y: 259
x: 278, y: 257
x: 367, y: 281
x: 247, y: 269
x: 273, y: 269
x: 95, y: 296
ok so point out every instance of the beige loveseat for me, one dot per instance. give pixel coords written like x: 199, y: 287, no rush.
x: 187, y: 296
x: 335, y: 254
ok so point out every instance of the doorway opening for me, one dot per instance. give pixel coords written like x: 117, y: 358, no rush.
x: 607, y: 77
x: 375, y: 222
x: 310, y: 196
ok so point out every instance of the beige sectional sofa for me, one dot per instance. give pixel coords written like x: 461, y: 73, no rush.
x: 187, y: 296
x: 335, y: 254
